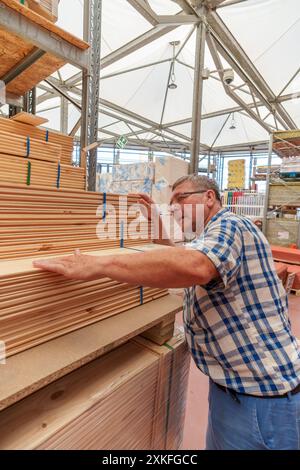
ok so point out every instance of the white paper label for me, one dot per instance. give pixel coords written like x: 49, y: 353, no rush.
x: 283, y: 235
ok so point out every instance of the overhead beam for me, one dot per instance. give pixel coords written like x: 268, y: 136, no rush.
x: 151, y: 124
x: 140, y: 118
x: 24, y: 64
x: 186, y: 7
x: 228, y: 90
x: 129, y: 48
x: 177, y: 20
x: 145, y: 10
x: 230, y: 3
x: 51, y: 82
x: 213, y: 3
x: 220, y: 31
x: 242, y: 147
x: 282, y: 99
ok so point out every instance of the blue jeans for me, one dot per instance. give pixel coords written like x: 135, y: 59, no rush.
x: 252, y: 424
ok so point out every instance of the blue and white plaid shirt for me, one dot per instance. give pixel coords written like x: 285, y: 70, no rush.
x: 237, y: 327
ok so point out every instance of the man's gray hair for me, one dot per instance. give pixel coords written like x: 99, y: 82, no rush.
x: 200, y: 183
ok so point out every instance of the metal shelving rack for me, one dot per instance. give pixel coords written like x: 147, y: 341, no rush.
x: 284, y: 144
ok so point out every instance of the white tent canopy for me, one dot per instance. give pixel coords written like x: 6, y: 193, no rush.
x: 268, y: 31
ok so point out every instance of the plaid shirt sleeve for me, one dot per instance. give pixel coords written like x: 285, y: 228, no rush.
x: 222, y: 244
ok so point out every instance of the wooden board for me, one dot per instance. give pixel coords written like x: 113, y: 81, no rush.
x: 102, y: 388
x: 31, y: 370
x: 31, y: 119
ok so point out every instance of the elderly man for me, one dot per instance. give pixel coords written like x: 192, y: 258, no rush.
x: 235, y: 314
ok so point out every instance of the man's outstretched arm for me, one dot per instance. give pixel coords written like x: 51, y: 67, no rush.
x: 166, y: 268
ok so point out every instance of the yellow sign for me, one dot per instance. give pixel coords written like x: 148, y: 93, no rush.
x: 236, y: 174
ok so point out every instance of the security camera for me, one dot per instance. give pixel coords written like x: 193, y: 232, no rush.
x: 228, y: 76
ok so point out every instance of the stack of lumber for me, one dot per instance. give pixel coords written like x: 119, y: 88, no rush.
x: 286, y: 255
x: 132, y: 398
x: 37, y: 306
x: 15, y: 127
x: 35, y: 157
x: 36, y: 221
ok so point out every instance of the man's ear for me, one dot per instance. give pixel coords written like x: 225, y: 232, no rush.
x: 211, y: 197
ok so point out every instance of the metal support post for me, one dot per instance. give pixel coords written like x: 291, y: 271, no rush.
x: 198, y: 96
x: 91, y: 85
x: 30, y: 101
x: 266, y: 205
x: 64, y: 115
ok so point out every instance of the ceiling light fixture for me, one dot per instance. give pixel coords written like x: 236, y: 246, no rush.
x: 172, y: 83
x: 233, y: 123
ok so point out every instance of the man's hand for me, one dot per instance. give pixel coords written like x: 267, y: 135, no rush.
x: 151, y: 211
x: 148, y: 207
x: 78, y: 267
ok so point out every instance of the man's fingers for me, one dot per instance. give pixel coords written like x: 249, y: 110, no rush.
x: 54, y: 266
x: 144, y: 197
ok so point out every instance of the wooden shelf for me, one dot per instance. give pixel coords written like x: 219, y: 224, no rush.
x: 33, y: 48
x: 286, y: 143
x: 32, y: 370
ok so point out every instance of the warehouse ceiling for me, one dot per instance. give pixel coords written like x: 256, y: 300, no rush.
x: 149, y: 45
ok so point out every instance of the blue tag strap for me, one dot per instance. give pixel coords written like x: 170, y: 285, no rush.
x: 58, y: 176
x: 122, y: 234
x: 142, y: 295
x: 28, y: 179
x: 104, y: 206
x: 27, y: 147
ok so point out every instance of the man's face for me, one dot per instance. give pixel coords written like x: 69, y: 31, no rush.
x: 191, y: 210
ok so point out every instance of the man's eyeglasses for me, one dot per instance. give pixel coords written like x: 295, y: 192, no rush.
x: 181, y: 196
